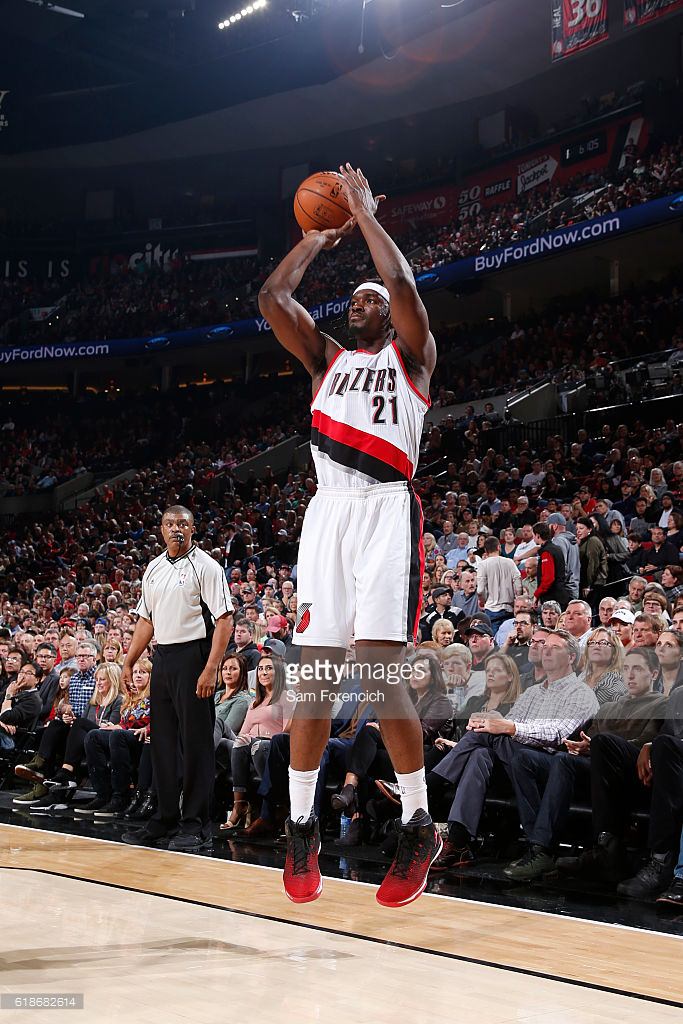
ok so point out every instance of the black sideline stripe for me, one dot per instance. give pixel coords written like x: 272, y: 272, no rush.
x: 352, y: 458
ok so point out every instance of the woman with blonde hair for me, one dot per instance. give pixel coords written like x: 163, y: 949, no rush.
x: 112, y: 651
x: 63, y: 741
x: 443, y: 632
x: 113, y: 750
x: 602, y: 665
x: 503, y: 688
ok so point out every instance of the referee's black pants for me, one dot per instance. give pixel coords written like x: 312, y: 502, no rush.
x: 179, y: 719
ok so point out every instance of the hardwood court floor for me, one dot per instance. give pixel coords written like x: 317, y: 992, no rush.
x: 156, y: 936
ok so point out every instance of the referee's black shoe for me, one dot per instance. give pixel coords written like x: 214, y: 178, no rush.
x: 191, y: 842
x: 146, y: 837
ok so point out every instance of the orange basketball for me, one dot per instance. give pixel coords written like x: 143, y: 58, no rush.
x: 320, y: 202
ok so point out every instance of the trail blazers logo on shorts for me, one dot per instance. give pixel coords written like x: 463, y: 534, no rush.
x: 303, y: 618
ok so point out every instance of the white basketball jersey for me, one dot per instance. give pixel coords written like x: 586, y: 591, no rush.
x: 367, y: 420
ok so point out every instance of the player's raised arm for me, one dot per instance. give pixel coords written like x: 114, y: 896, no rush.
x: 293, y: 326
x: 408, y: 314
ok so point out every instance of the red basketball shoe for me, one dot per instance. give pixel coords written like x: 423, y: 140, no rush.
x: 302, y: 878
x: 419, y: 845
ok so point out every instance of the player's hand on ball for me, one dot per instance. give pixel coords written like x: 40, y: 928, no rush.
x: 333, y: 236
x: 358, y: 192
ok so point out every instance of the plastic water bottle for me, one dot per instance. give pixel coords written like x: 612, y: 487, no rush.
x: 344, y: 826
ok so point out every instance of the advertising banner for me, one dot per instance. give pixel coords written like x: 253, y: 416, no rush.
x: 577, y: 25
x: 489, y: 262
x: 556, y: 164
x: 639, y: 12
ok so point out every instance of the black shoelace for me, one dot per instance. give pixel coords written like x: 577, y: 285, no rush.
x: 301, y: 848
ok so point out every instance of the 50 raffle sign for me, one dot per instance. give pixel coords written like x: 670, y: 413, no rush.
x: 638, y: 12
x: 577, y: 24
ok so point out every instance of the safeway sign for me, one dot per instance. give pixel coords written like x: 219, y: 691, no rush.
x: 431, y: 206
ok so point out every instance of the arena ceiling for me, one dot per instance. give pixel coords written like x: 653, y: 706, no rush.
x: 133, y: 64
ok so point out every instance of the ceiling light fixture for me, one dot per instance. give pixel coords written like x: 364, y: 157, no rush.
x: 245, y: 12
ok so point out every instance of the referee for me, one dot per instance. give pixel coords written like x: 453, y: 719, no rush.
x: 185, y: 604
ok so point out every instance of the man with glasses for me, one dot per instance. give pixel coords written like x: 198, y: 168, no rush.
x: 46, y: 657
x: 517, y: 644
x: 535, y: 673
x: 21, y: 705
x: 82, y: 682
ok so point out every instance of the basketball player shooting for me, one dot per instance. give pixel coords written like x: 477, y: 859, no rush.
x: 361, y: 556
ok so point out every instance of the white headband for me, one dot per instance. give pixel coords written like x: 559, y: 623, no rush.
x: 374, y: 287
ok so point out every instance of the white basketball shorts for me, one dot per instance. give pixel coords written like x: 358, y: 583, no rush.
x: 359, y: 572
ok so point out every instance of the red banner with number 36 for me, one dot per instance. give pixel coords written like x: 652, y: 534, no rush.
x: 576, y: 25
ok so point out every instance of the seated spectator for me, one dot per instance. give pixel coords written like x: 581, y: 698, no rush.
x: 466, y: 599
x: 502, y: 690
x: 622, y: 624
x: 15, y: 659
x: 636, y: 592
x: 606, y: 610
x: 55, y: 699
x: 456, y: 664
x: 479, y: 636
x: 112, y: 651
x: 672, y: 582
x: 232, y: 700
x: 624, y: 778
x: 545, y: 784
x: 115, y: 749
x: 267, y: 715
x: 535, y: 673
x: 441, y: 610
x: 601, y: 665
x: 517, y: 644
x: 508, y: 540
x: 654, y: 602
x: 543, y: 717
x: 63, y: 739
x: 242, y: 642
x: 662, y: 552
x: 577, y: 621
x: 550, y: 613
x: 669, y: 651
x: 646, y: 630
x: 443, y: 633
x: 21, y: 705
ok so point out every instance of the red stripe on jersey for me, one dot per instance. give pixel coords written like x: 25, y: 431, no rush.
x: 339, y: 353
x: 380, y: 449
x: 427, y: 400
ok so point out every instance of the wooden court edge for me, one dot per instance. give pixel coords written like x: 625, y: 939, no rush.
x: 625, y: 961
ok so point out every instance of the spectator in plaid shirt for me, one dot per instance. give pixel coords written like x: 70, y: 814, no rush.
x: 82, y: 682
x: 543, y: 718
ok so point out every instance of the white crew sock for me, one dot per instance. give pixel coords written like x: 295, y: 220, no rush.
x: 302, y: 793
x: 413, y: 788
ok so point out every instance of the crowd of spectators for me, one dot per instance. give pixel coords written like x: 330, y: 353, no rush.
x: 576, y: 341
x: 149, y: 300
x: 587, y: 610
